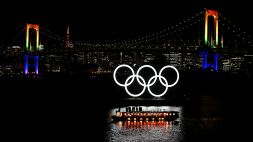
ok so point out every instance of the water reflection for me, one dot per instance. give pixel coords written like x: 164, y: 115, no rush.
x: 200, y: 119
x: 169, y: 131
x: 146, y: 124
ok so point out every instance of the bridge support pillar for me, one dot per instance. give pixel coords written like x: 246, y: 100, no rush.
x: 206, y: 60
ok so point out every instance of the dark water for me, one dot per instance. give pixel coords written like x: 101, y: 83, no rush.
x: 202, y: 120
x: 148, y: 132
x: 71, y: 121
x: 76, y: 111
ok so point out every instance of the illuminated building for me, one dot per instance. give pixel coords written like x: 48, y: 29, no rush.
x: 14, y: 51
x: 175, y: 59
x: 53, y: 63
x: 226, y: 65
x: 189, y: 61
x: 236, y: 63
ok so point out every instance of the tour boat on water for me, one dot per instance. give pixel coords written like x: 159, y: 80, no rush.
x: 137, y: 114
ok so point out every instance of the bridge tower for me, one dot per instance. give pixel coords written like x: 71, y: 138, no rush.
x: 30, y: 54
x: 214, y: 61
x: 211, y: 40
x: 211, y: 33
x: 36, y: 28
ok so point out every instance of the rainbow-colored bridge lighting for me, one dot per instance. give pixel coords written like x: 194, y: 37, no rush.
x: 36, y: 28
x: 28, y: 55
x: 208, y: 40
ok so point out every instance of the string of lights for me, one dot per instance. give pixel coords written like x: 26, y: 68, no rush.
x: 236, y: 34
x: 170, y: 36
x: 163, y: 33
x: 228, y: 24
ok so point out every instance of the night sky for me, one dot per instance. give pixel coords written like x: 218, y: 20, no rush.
x: 101, y: 20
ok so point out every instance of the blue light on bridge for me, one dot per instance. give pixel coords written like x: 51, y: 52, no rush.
x: 205, y: 63
x: 36, y: 58
x: 35, y: 65
x: 216, y: 56
x: 26, y: 64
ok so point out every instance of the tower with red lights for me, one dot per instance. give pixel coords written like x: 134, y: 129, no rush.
x: 67, y: 38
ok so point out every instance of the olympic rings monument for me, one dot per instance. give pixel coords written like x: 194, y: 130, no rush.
x: 142, y: 82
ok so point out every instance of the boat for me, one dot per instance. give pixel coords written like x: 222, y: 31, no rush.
x: 137, y: 114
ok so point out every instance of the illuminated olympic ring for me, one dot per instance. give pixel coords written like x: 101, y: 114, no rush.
x: 142, y: 82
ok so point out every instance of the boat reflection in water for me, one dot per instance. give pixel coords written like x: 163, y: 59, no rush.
x: 146, y: 124
x: 141, y: 127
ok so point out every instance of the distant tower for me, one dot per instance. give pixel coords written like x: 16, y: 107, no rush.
x: 67, y: 40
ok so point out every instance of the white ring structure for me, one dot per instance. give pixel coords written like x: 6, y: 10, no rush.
x: 115, y: 71
x: 145, y: 85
